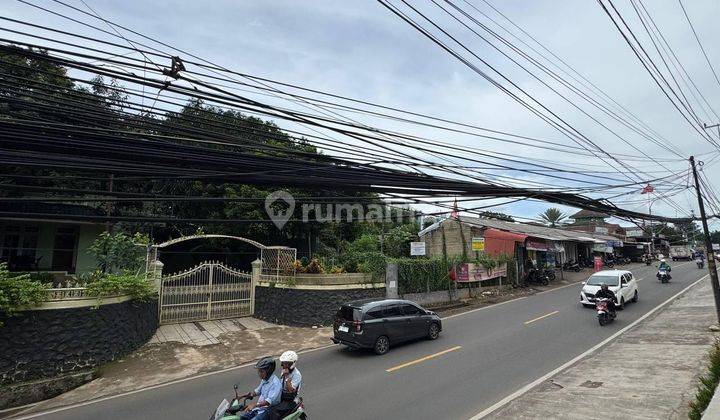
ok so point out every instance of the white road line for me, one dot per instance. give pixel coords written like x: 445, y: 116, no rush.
x: 135, y: 391
x: 577, y: 358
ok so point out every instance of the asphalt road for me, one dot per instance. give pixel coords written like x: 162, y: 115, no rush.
x: 486, y: 355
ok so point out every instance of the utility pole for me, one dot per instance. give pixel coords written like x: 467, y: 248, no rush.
x: 708, y: 243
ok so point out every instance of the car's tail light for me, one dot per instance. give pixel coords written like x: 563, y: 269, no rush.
x: 358, y: 326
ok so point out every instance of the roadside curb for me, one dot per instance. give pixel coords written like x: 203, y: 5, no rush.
x: 530, y: 386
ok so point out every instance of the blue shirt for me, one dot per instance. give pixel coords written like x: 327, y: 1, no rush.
x: 269, y: 390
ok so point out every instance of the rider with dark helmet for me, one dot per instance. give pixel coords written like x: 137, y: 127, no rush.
x: 606, y: 293
x: 268, y: 391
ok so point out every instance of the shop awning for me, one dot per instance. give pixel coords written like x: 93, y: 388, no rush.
x: 501, y: 242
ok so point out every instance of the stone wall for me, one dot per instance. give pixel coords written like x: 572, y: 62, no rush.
x: 41, y: 344
x: 306, y: 307
x: 453, y: 240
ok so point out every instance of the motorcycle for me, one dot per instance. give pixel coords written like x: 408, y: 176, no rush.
x: 572, y: 266
x: 605, y: 316
x: 609, y: 263
x: 232, y: 410
x: 537, y: 277
x: 648, y: 261
x: 550, y: 274
x: 663, y: 276
x: 700, y: 263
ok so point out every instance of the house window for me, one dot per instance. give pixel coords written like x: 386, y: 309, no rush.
x: 18, y: 247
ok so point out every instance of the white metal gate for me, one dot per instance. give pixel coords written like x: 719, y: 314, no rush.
x: 208, y: 291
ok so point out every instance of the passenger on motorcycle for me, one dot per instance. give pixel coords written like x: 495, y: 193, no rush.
x: 606, y: 293
x: 291, y: 380
x: 268, y: 391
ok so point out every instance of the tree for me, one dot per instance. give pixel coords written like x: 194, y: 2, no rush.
x: 552, y: 216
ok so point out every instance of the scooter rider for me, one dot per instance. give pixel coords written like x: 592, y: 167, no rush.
x: 664, y: 266
x: 606, y: 293
x: 291, y: 381
x: 268, y: 391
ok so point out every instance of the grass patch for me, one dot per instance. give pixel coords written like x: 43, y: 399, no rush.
x: 707, y: 385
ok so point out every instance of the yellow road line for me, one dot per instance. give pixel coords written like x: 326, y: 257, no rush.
x: 541, y: 317
x: 422, y: 359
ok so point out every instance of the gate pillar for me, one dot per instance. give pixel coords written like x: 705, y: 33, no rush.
x: 255, y: 280
x: 156, y: 272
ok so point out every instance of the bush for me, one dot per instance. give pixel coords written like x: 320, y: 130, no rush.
x: 708, y: 383
x: 314, y: 267
x: 18, y: 291
x: 336, y: 270
x: 423, y: 275
x: 118, y: 252
x: 106, y: 284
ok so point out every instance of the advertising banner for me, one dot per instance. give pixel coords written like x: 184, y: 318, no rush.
x: 476, y: 272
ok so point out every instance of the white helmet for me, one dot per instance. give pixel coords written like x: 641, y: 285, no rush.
x: 662, y: 260
x: 289, y: 356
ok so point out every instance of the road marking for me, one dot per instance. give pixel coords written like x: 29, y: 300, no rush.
x: 422, y: 359
x: 577, y: 358
x: 135, y: 391
x: 494, y: 305
x: 541, y: 317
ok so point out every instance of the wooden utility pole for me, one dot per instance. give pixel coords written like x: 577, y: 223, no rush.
x: 708, y: 243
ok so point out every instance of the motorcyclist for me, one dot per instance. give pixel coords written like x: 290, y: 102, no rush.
x: 291, y: 381
x: 268, y: 391
x: 664, y: 266
x: 606, y: 293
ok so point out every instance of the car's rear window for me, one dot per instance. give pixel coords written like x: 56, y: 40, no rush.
x: 348, y: 313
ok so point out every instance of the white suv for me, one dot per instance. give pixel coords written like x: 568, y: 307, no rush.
x: 621, y: 282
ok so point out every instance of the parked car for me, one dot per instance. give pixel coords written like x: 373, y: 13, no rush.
x: 621, y: 282
x: 380, y: 323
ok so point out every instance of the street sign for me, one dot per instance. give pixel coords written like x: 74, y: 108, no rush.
x: 417, y: 248
x: 478, y: 244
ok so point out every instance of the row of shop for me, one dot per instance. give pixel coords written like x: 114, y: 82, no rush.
x: 541, y: 245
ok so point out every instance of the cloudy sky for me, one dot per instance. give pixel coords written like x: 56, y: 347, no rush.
x: 361, y: 50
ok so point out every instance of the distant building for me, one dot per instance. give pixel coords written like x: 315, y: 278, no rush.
x: 594, y: 222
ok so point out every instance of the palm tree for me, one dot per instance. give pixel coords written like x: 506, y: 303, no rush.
x: 553, y: 216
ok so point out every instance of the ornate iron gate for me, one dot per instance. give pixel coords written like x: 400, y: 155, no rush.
x: 208, y: 291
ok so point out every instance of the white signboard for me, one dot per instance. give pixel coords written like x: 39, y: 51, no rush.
x: 716, y: 247
x: 417, y: 248
x: 601, y: 230
x: 634, y: 233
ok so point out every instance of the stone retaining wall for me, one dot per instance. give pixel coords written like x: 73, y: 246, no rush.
x: 306, y: 307
x: 41, y: 344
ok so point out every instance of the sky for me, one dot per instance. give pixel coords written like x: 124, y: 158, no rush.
x: 361, y: 50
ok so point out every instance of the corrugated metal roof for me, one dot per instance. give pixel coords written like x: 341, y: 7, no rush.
x: 542, y: 232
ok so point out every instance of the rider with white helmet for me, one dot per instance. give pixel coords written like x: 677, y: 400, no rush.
x: 291, y: 380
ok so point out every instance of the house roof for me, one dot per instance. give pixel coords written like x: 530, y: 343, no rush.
x: 542, y: 232
x: 40, y: 210
x: 585, y: 214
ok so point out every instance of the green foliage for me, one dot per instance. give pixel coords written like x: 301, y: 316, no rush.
x: 423, y: 275
x: 41, y: 276
x: 117, y: 252
x: 373, y: 263
x: 487, y: 261
x: 707, y: 385
x: 552, y: 216
x: 103, y: 285
x: 18, y: 291
x: 496, y: 215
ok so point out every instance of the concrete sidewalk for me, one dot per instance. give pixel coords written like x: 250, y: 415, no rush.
x: 649, y: 372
